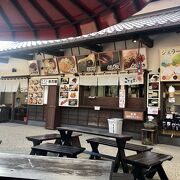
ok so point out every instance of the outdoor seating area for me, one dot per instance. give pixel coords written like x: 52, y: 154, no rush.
x: 157, y: 158
x: 89, y: 90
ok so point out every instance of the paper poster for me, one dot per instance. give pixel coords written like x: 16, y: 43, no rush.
x: 170, y: 64
x: 131, y: 79
x: 86, y: 63
x: 33, y: 67
x: 122, y: 96
x: 153, y: 110
x: 35, y: 92
x: 133, y: 60
x: 50, y: 66
x: 69, y: 92
x: 67, y: 64
x: 109, y: 61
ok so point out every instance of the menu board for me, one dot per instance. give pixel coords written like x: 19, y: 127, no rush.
x: 35, y: 92
x: 69, y: 92
x: 67, y: 64
x: 109, y: 61
x: 86, y: 63
x: 132, y: 58
x: 170, y: 64
x: 33, y: 67
x: 50, y: 66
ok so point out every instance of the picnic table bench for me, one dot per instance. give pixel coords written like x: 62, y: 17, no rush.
x: 67, y: 131
x: 37, y: 140
x: 147, y: 164
x: 61, y: 150
x: 94, y: 142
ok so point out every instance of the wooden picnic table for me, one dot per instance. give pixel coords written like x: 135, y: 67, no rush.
x: 67, y: 131
x: 18, y: 166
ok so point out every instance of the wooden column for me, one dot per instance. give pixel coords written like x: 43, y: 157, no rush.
x: 51, y: 119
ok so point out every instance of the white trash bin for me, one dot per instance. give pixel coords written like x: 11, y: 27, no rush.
x: 115, y: 125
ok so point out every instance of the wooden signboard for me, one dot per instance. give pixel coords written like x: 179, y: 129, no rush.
x: 134, y: 115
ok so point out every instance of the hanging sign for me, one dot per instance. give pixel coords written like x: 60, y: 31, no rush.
x: 109, y: 61
x: 86, y: 63
x: 122, y: 98
x: 33, y: 67
x: 134, y: 59
x: 170, y: 64
x: 131, y: 79
x: 50, y: 66
x: 49, y: 82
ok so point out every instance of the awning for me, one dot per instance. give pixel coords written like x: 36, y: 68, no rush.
x: 54, y: 19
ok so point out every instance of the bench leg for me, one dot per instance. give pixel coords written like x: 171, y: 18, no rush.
x: 94, y: 147
x: 76, y: 141
x: 161, y: 172
x: 35, y: 143
x: 138, y: 173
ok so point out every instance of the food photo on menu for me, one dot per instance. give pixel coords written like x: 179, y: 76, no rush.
x: 109, y: 61
x: 50, y: 66
x: 73, y: 102
x: 64, y: 80
x: 33, y: 67
x: 64, y: 87
x: 63, y: 102
x: 132, y: 57
x: 63, y: 94
x: 67, y: 64
x: 86, y: 63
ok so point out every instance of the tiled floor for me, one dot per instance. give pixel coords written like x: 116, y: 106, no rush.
x: 14, y: 141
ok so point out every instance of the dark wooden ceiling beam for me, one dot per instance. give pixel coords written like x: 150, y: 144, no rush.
x: 111, y: 7
x: 62, y: 11
x: 7, y: 21
x: 43, y: 13
x: 24, y: 16
x: 86, y: 11
x: 66, y: 14
x: 137, y: 5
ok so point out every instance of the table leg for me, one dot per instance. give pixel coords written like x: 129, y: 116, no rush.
x: 120, y: 157
x: 94, y: 147
x: 66, y: 137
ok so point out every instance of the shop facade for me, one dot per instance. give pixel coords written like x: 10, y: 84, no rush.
x: 86, y: 88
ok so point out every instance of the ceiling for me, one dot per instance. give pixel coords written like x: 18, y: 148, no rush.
x: 54, y: 19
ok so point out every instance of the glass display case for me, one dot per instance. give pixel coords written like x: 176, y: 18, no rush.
x: 171, y: 119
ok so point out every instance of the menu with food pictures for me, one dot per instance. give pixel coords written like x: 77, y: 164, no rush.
x: 133, y: 57
x: 69, y: 92
x: 67, y: 64
x: 33, y: 67
x: 50, y: 66
x: 109, y: 61
x: 86, y: 63
x: 170, y: 64
x: 35, y: 92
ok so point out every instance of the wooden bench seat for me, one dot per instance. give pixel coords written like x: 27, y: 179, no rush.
x: 94, y: 142
x: 61, y: 150
x: 37, y: 140
x: 147, y: 164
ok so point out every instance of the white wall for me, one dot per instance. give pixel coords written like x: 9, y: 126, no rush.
x: 19, y: 64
